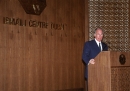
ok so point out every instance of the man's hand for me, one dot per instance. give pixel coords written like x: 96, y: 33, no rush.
x: 92, y: 61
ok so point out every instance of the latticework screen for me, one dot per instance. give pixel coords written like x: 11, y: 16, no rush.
x: 120, y: 79
x: 113, y: 17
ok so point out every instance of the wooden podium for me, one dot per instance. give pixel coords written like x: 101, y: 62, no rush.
x: 111, y: 72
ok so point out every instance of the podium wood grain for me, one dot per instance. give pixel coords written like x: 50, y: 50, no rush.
x: 106, y: 73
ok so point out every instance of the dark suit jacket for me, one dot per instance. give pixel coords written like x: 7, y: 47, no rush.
x: 90, y: 51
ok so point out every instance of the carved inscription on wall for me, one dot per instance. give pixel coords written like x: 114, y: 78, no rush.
x: 120, y: 80
x: 33, y: 23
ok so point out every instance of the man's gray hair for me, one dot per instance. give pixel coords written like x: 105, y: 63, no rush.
x: 98, y: 29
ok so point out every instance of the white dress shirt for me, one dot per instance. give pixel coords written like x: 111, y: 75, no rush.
x: 98, y: 43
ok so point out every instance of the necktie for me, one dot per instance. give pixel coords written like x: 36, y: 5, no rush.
x: 100, y: 46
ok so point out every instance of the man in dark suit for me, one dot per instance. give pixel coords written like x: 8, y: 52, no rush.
x: 93, y: 48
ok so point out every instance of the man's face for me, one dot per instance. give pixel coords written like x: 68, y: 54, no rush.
x: 98, y: 35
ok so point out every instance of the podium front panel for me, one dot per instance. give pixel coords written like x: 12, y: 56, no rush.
x: 111, y: 72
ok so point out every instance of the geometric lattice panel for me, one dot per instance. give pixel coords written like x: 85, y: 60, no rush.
x: 120, y: 79
x: 113, y: 17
